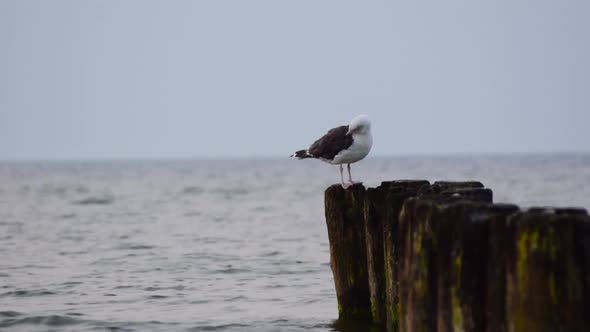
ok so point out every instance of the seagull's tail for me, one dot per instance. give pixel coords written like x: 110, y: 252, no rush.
x: 302, y: 154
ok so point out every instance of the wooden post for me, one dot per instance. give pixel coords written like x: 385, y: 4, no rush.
x: 374, y: 219
x: 398, y: 192
x: 498, y: 242
x: 548, y: 271
x: 380, y: 226
x: 419, y: 223
x: 416, y: 266
x: 348, y: 256
x: 440, y: 186
x: 471, y: 190
x: 441, y: 257
x: 462, y: 231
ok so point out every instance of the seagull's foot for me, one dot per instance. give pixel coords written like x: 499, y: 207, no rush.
x: 347, y: 184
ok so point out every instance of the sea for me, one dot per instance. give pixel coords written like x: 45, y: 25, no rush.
x: 208, y: 245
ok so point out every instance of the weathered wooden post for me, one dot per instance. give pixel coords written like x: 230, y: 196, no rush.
x: 398, y: 192
x: 472, y: 190
x: 416, y: 267
x: 419, y: 223
x: 440, y: 186
x: 419, y: 257
x: 498, y: 243
x: 462, y: 232
x: 380, y: 226
x: 348, y: 255
x: 548, y: 271
x: 375, y: 215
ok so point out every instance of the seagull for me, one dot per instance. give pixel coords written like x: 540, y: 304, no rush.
x: 342, y: 145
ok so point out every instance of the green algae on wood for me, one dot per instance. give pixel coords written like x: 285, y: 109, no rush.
x: 499, y: 239
x: 462, y: 229
x: 451, y: 261
x: 374, y: 219
x: 398, y: 192
x: 547, y: 277
x: 441, y: 284
x: 416, y: 267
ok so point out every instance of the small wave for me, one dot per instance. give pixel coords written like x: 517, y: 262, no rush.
x: 157, y: 297
x: 193, y: 214
x: 230, y: 193
x: 11, y: 223
x: 124, y: 287
x: 153, y: 289
x: 67, y: 253
x: 231, y: 270
x: 95, y: 200
x: 53, y: 320
x: 236, y: 298
x: 9, y: 313
x: 130, y: 246
x: 227, y: 327
x: 193, y: 190
x: 27, y: 293
x: 274, y: 286
x: 199, y: 301
x: 270, y: 254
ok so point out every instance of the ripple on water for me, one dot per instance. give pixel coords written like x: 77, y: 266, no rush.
x: 153, y: 289
x: 193, y: 190
x: 27, y: 293
x: 157, y: 297
x: 9, y: 313
x: 133, y: 246
x: 246, y: 245
x: 52, y: 320
x: 95, y: 200
x: 223, y: 327
x: 231, y: 270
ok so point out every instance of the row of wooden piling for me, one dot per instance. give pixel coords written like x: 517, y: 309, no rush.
x: 414, y: 256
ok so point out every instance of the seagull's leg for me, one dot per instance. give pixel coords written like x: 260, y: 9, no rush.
x: 349, y: 175
x: 344, y: 185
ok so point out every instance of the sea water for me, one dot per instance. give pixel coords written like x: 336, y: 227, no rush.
x: 207, y: 245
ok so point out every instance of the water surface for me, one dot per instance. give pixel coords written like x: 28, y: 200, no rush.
x: 206, y: 245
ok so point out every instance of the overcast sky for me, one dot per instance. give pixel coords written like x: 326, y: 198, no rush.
x: 154, y: 79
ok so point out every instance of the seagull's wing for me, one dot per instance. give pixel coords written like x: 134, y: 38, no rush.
x: 328, y: 146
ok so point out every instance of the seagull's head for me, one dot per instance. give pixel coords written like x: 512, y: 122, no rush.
x: 359, y: 125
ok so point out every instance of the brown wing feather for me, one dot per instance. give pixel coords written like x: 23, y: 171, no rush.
x: 328, y: 146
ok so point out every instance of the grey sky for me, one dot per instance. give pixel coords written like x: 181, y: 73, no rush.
x: 148, y: 79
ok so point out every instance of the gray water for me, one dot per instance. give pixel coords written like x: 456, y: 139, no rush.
x: 206, y: 245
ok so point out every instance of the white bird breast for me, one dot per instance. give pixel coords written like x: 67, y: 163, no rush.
x: 360, y: 148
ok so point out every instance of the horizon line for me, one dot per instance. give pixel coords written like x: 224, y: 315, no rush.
x: 276, y: 157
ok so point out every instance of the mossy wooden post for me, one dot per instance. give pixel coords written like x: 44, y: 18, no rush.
x: 398, y: 192
x: 547, y: 284
x: 379, y: 230
x: 348, y: 255
x: 374, y: 219
x: 462, y: 231
x: 418, y: 272
x: 499, y: 240
x: 416, y: 266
